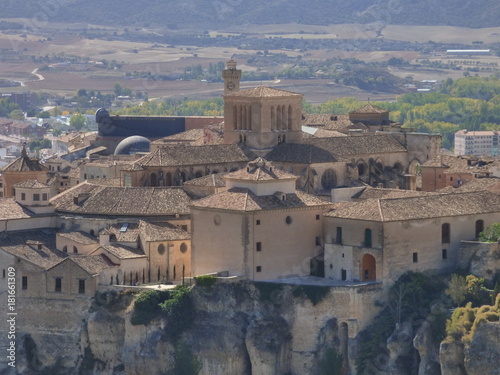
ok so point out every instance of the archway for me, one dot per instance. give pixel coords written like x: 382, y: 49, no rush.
x: 369, y: 268
x: 153, y: 179
x: 415, y: 168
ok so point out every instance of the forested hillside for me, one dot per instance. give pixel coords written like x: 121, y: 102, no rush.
x: 214, y: 14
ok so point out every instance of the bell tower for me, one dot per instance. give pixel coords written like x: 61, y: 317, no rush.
x: 231, y: 77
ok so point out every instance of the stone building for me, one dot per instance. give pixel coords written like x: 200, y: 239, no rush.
x: 380, y: 239
x: 22, y: 169
x: 275, y: 230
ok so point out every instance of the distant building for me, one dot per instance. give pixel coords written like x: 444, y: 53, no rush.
x: 476, y: 143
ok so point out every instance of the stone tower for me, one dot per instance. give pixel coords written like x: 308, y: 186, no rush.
x: 231, y: 77
x: 262, y: 118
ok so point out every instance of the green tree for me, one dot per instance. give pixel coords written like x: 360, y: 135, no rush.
x: 331, y: 363
x: 185, y: 362
x: 457, y: 289
x: 16, y: 114
x: 78, y: 121
x: 43, y: 114
x: 490, y: 234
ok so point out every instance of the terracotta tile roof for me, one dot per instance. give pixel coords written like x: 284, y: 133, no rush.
x: 152, y: 232
x: 371, y: 193
x: 460, y: 164
x: 263, y: 92
x: 129, y: 235
x: 359, y: 144
x: 92, y: 264
x: 301, y: 153
x: 369, y: 108
x: 326, y: 121
x: 24, y: 164
x: 477, y: 184
x: 10, y: 209
x: 31, y: 184
x: 323, y: 133
x: 23, y: 244
x: 79, y: 237
x: 414, y: 208
x: 196, y: 155
x: 116, y: 182
x: 195, y: 137
x: 124, y: 252
x: 213, y: 180
x: 129, y: 201
x: 260, y: 170
x: 239, y: 199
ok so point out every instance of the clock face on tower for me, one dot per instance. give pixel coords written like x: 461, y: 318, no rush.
x: 230, y: 85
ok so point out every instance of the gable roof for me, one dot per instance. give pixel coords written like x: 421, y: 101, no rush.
x: 153, y: 232
x: 213, y: 180
x: 240, y: 199
x: 31, y: 184
x: 264, y: 92
x: 127, y: 201
x: 175, y: 156
x: 122, y: 252
x: 10, y: 209
x: 420, y: 207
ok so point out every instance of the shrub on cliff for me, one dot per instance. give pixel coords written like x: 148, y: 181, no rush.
x: 179, y: 310
x: 147, y: 306
x: 205, y: 280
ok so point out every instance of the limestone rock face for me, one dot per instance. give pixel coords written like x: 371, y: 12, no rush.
x: 400, y: 346
x: 451, y: 357
x: 106, y: 335
x: 428, y: 351
x: 482, y: 356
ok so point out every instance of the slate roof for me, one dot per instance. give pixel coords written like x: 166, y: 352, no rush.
x: 153, y: 232
x: 213, y: 180
x: 263, y: 92
x: 128, y: 201
x: 10, y: 209
x: 414, y: 208
x: 196, y: 155
x: 34, y: 184
x: 260, y: 170
x: 22, y: 244
x: 240, y: 199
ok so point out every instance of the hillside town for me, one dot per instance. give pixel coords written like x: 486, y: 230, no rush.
x: 264, y: 193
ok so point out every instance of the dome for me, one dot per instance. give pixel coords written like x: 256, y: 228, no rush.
x: 133, y: 144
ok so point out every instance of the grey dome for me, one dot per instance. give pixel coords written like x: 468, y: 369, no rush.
x: 133, y: 144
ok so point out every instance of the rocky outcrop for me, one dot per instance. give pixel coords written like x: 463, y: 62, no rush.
x: 482, y: 355
x: 428, y: 350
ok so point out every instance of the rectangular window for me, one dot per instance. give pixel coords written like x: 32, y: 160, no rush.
x: 81, y: 286
x: 339, y: 235
x: 258, y: 269
x: 317, y: 217
x: 257, y: 222
x: 415, y: 257
x: 258, y: 246
x: 45, y: 197
x: 318, y: 241
x: 344, y: 274
x: 444, y: 254
x: 36, y: 197
x: 3, y: 273
x: 128, y: 180
x: 23, y: 196
x: 368, y: 237
x: 25, y: 283
x: 58, y: 285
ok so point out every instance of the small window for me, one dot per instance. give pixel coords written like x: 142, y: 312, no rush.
x: 58, y: 285
x: 23, y: 196
x: 25, y: 283
x: 288, y: 220
x: 81, y: 286
x: 3, y: 273
x: 317, y: 217
x: 415, y: 257
x: 344, y: 274
x: 183, y: 247
x: 85, y: 176
x: 343, y: 255
x: 368, y: 237
x: 36, y: 197
x: 45, y: 197
x: 75, y: 250
x: 338, y: 239
x: 444, y: 254
x: 65, y: 249
x: 217, y: 220
x: 318, y: 241
x: 257, y: 222
x: 184, y: 227
x: 161, y: 249
x: 445, y: 233
x: 258, y: 246
x: 258, y: 268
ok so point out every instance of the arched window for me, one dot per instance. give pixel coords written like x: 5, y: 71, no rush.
x: 65, y: 249
x: 92, y: 233
x: 479, y: 227
x: 329, y: 179
x: 198, y: 174
x: 289, y: 117
x: 75, y: 250
x: 445, y: 233
x: 273, y: 118
x: 168, y: 179
x: 369, y: 268
x: 235, y: 117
